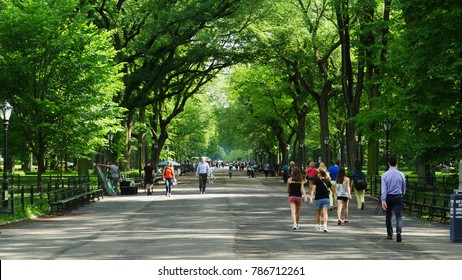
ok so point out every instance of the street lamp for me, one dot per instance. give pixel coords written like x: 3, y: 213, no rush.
x: 111, y: 137
x: 140, y: 145
x: 326, y: 142
x: 6, y: 111
x: 288, y: 148
x: 387, y: 127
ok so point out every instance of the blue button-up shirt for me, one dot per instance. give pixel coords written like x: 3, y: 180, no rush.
x: 393, y: 182
x: 202, y: 168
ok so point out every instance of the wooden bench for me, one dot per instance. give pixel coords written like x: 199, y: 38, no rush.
x: 68, y: 198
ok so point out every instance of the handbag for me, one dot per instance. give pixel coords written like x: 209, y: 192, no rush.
x: 325, y: 185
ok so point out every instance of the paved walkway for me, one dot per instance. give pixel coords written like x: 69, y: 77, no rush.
x: 238, y: 218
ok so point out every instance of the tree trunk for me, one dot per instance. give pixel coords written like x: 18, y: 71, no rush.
x: 301, y: 118
x: 83, y: 166
x: 128, y: 137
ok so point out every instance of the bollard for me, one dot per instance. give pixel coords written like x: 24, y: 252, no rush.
x: 456, y: 211
x: 459, y: 190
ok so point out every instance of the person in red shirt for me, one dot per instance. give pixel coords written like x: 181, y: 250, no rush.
x: 311, y: 173
x: 169, y: 176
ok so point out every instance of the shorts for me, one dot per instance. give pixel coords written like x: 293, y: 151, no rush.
x: 322, y: 203
x: 344, y: 198
x: 148, y: 180
x: 295, y: 199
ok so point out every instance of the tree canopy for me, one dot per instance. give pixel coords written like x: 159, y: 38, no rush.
x: 217, y: 77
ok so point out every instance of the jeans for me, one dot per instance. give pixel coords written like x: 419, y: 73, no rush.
x: 168, y: 185
x: 394, y: 203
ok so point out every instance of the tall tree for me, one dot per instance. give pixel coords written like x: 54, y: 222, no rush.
x: 431, y: 64
x: 171, y: 48
x: 58, y: 71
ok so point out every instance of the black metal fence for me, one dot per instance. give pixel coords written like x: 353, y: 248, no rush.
x: 424, y: 195
x: 24, y: 192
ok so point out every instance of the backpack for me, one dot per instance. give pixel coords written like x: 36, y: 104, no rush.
x: 360, y: 182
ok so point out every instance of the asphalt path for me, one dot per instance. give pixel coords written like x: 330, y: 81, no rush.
x: 238, y: 218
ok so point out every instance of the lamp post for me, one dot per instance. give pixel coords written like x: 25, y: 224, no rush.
x: 326, y: 142
x: 140, y: 145
x: 167, y: 149
x: 110, y: 136
x: 6, y: 111
x: 288, y: 149
x: 387, y: 127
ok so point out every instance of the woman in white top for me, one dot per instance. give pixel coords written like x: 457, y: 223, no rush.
x: 343, y: 195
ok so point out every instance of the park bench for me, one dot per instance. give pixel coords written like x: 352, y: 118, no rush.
x: 410, y: 202
x: 439, y: 207
x: 430, y: 205
x: 131, y: 185
x: 68, y: 198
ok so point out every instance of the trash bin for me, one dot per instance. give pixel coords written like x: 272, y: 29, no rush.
x: 456, y: 218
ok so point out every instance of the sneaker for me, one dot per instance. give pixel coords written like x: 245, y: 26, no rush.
x: 389, y: 237
x: 294, y: 227
x: 398, y: 237
x: 339, y: 222
x: 346, y: 221
x: 318, y: 227
x: 324, y: 228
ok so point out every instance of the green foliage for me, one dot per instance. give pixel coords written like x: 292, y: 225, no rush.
x: 60, y: 77
x: 427, y: 102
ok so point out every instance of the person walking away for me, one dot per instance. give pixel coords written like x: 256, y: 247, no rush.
x: 148, y: 177
x: 322, y: 166
x: 169, y: 176
x: 296, y: 188
x: 311, y: 173
x: 266, y: 169
x: 249, y: 170
x: 113, y: 174
x: 333, y: 171
x: 202, y: 171
x: 285, y: 172
x: 359, y: 185
x: 393, y: 189
x: 342, y: 184
x: 320, y: 193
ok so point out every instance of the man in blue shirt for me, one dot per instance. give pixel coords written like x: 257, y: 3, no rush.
x: 393, y: 189
x: 333, y: 171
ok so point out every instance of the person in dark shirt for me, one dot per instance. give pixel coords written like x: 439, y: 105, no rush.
x: 295, y: 188
x: 148, y: 176
x: 320, y: 191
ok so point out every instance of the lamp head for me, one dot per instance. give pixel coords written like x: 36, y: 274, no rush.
x: 6, y: 110
x: 387, y: 124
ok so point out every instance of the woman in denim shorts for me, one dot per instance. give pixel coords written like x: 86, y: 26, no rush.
x: 320, y: 191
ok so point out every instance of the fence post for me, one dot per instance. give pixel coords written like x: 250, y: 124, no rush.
x: 41, y: 195
x: 12, y: 200
x: 32, y: 195
x: 23, y: 201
